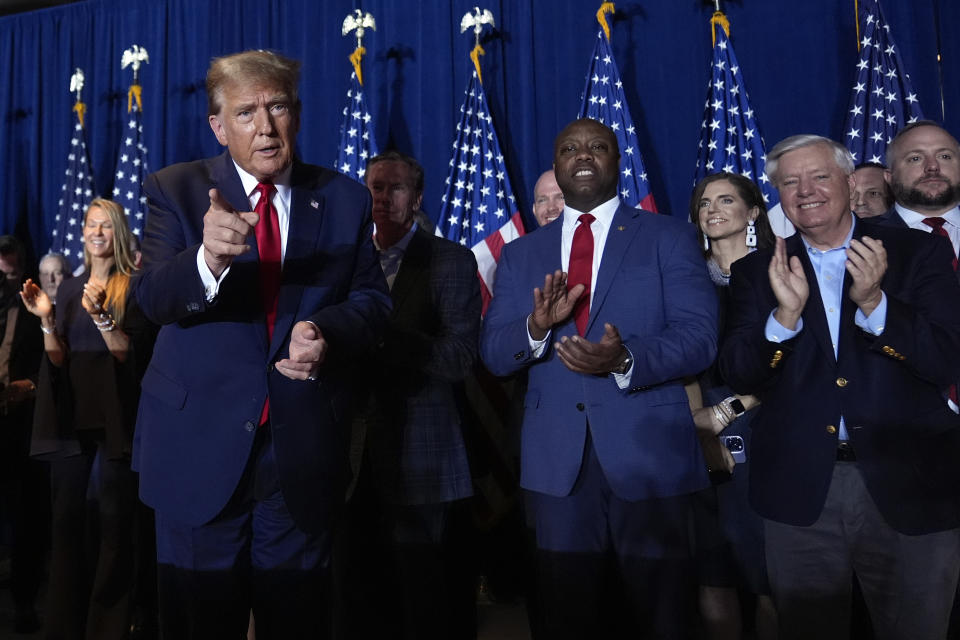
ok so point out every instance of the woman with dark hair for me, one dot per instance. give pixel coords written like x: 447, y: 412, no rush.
x: 95, y: 341
x: 731, y: 220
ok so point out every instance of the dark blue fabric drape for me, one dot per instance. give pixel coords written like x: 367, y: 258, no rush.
x: 797, y: 60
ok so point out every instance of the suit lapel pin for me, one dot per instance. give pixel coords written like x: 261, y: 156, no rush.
x: 621, y: 228
x: 314, y: 204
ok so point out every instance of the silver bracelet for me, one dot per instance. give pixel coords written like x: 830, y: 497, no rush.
x: 108, y: 327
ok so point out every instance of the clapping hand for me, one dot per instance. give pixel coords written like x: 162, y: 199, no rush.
x: 36, y: 300
x: 552, y: 304
x: 789, y: 284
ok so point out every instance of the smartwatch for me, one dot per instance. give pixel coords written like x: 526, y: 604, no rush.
x: 626, y: 364
x: 737, y: 406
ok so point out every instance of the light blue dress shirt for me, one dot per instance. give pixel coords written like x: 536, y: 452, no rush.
x: 830, y: 269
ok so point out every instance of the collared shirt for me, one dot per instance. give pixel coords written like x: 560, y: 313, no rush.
x: 391, y: 257
x: 281, y: 202
x: 951, y: 225
x: 830, y: 269
x: 600, y: 228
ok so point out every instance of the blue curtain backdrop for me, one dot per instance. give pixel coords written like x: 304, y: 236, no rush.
x: 797, y: 59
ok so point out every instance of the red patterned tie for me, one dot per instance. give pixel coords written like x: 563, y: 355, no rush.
x: 268, y: 244
x: 936, y: 223
x: 580, y: 270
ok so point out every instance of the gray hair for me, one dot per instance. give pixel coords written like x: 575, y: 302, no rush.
x: 840, y: 154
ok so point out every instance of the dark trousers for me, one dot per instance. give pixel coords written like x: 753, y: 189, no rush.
x: 92, y: 548
x: 404, y: 571
x: 908, y: 582
x: 610, y: 568
x: 25, y: 492
x: 252, y: 556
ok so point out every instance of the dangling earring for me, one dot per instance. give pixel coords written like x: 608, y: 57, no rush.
x: 751, y: 234
x: 706, y: 243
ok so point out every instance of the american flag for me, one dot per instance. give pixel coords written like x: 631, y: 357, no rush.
x: 132, y: 165
x: 357, y: 142
x: 75, y: 196
x: 882, y: 99
x: 478, y: 209
x: 730, y: 139
x: 604, y: 100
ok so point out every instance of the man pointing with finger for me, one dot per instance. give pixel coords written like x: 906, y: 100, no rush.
x: 608, y: 308
x: 848, y: 332
x: 262, y: 273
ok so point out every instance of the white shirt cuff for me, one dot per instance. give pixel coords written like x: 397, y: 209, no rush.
x: 537, y: 347
x: 211, y: 285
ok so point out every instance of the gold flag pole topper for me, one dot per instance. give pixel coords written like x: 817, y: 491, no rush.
x: 76, y: 86
x: 477, y: 19
x: 358, y: 21
x: 134, y: 57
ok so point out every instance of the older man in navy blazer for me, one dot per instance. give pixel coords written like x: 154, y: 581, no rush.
x: 622, y: 310
x: 262, y: 273
x: 848, y: 333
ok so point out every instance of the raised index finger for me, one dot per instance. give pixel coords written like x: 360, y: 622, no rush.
x: 218, y: 202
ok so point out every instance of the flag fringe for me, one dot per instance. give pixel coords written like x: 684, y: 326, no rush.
x: 81, y: 109
x: 475, y: 56
x: 355, y: 58
x: 605, y: 8
x: 134, y: 94
x: 719, y: 19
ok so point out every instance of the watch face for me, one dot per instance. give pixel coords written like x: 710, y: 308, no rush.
x: 737, y: 406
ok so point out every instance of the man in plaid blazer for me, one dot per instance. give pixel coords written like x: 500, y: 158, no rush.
x: 401, y: 555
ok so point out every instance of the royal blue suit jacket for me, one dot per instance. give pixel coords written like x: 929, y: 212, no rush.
x: 888, y: 388
x: 213, y: 364
x: 653, y: 286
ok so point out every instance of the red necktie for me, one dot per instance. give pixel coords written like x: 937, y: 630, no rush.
x: 268, y: 244
x: 936, y: 223
x: 580, y: 270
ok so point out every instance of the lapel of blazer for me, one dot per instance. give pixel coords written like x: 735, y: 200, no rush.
x: 624, y: 227
x: 412, y: 270
x: 814, y: 315
x: 303, y: 234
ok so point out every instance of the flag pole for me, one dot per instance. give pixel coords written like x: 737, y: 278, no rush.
x: 856, y: 21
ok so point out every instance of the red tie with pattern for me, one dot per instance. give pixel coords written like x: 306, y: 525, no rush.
x: 936, y: 223
x: 580, y: 270
x: 268, y: 245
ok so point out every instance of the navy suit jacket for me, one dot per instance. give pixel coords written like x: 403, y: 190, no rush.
x: 653, y: 286
x: 212, y: 367
x: 413, y: 430
x: 887, y: 388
